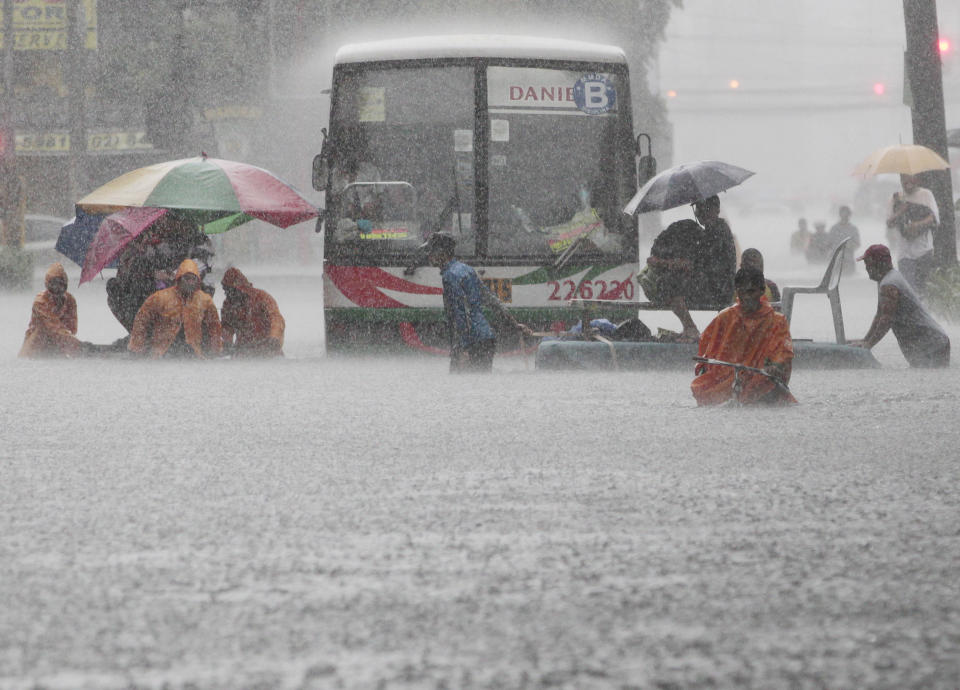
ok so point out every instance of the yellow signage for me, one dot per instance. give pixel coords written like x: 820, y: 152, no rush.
x: 105, y: 142
x: 233, y: 112
x: 42, y: 24
x: 97, y: 142
x: 47, y: 142
x: 371, y: 104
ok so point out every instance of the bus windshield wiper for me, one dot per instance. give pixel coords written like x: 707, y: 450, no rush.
x: 449, y: 207
x: 452, y: 205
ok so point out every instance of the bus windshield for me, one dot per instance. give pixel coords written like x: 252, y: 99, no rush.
x: 555, y: 168
x: 549, y: 172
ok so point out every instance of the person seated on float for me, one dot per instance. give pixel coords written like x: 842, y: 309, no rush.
x: 692, y: 264
x: 749, y: 333
x: 752, y: 258
x: 53, y: 320
x: 922, y: 340
x: 250, y: 319
x: 181, y: 320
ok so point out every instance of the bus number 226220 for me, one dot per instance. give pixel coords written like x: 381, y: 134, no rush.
x: 591, y: 289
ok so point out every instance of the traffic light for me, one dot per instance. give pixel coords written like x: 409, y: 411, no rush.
x: 947, y: 58
x: 879, y: 88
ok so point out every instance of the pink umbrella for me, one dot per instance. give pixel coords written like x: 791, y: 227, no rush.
x: 117, y: 231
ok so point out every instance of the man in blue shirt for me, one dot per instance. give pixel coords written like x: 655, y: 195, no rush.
x: 472, y: 340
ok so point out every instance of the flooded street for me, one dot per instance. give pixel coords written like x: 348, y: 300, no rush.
x: 324, y: 522
x: 363, y: 523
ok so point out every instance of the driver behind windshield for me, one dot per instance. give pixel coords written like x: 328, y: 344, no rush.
x: 360, y: 204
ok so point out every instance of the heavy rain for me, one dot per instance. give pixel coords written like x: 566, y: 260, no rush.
x: 334, y: 519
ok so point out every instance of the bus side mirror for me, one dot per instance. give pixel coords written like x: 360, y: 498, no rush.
x: 647, y: 164
x: 320, y: 165
x: 646, y: 168
x: 320, y: 172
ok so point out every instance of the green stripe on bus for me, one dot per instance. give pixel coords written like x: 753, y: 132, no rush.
x: 522, y: 314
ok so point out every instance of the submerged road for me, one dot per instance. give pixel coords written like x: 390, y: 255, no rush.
x: 348, y: 523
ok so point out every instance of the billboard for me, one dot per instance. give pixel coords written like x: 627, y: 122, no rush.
x: 42, y: 24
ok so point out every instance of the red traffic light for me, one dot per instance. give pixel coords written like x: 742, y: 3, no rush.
x: 879, y: 88
x: 944, y: 46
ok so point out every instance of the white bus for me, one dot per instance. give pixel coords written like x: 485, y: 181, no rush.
x: 520, y: 147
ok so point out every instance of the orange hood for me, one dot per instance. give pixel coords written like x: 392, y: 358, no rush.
x: 55, y: 271
x: 187, y: 266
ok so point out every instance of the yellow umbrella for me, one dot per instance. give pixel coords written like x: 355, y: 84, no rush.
x: 906, y: 159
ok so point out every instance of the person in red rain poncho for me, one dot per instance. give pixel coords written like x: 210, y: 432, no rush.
x: 749, y: 333
x: 252, y: 316
x: 53, y: 321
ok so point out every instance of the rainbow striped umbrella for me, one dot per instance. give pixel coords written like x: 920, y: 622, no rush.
x: 213, y: 193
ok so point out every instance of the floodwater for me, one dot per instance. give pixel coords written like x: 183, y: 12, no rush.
x: 378, y: 523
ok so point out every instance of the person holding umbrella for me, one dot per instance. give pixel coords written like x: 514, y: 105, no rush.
x: 175, y: 205
x: 149, y: 263
x: 913, y: 215
x: 692, y: 264
x: 178, y: 321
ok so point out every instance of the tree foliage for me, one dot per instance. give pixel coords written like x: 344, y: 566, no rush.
x: 186, y: 55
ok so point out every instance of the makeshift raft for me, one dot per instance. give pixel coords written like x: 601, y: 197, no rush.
x: 628, y: 355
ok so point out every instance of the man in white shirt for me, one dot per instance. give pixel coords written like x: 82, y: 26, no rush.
x: 922, y: 340
x: 912, y: 216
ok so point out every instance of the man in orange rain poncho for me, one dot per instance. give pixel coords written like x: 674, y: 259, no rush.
x: 252, y: 316
x: 53, y: 322
x: 749, y: 333
x: 178, y: 321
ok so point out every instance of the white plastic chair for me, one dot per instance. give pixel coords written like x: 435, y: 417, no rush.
x: 829, y: 286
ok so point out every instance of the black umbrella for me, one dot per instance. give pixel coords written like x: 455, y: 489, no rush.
x: 685, y: 184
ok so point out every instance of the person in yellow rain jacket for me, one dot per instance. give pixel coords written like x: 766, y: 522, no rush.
x: 252, y: 316
x: 749, y: 333
x: 53, y: 321
x: 181, y: 320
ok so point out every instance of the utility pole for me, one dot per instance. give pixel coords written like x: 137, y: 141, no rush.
x: 11, y: 184
x: 76, y: 71
x: 925, y: 79
x: 6, y: 108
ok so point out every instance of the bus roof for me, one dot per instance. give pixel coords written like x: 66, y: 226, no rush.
x: 479, y: 45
